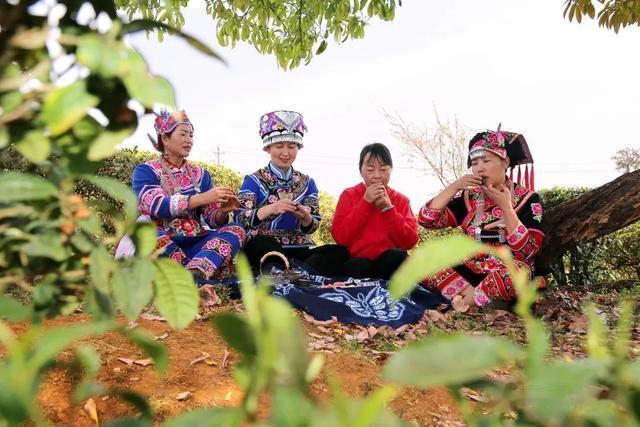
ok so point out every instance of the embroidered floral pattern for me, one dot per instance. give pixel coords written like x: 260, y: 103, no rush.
x: 480, y: 297
x: 536, y: 209
x: 517, y: 235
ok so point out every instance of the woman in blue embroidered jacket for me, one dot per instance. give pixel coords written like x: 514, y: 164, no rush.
x: 490, y: 207
x: 191, y: 214
x: 279, y: 205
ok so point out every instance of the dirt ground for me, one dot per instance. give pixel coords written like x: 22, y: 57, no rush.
x: 209, y: 382
x: 354, y: 356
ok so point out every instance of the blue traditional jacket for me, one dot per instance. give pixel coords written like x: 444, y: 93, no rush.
x: 163, y: 191
x: 267, y: 186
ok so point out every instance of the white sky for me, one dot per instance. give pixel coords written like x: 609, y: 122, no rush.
x: 571, y: 89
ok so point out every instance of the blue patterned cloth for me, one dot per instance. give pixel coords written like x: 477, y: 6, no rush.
x: 361, y: 301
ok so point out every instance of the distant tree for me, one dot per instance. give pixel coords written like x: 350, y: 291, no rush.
x: 612, y: 14
x: 440, y: 150
x: 627, y: 159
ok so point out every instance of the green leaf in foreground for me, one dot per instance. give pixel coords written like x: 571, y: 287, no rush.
x: 428, y: 363
x: 176, y: 294
x: 428, y: 259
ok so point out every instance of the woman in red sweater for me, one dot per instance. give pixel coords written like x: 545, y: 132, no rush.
x: 373, y: 221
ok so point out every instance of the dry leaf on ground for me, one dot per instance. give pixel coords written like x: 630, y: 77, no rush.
x: 143, y: 362
x: 185, y: 395
x: 90, y: 409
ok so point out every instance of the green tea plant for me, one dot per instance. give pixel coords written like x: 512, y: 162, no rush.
x: 601, y: 389
x: 65, y: 93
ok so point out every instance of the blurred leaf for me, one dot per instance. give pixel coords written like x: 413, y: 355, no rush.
x: 118, y: 191
x: 602, y: 413
x: 236, y: 332
x: 12, y: 310
x: 208, y: 417
x: 139, y: 402
x: 46, y: 245
x: 429, y: 362
x: 34, y: 146
x: 132, y: 287
x: 630, y: 373
x: 152, y: 348
x: 370, y: 411
x: 66, y: 106
x: 625, y: 325
x: 291, y: 408
x: 144, y: 87
x: 82, y: 242
x: 561, y: 387
x: 18, y: 187
x: 150, y: 25
x: 91, y: 49
x: 54, y: 340
x: 104, y: 145
x: 597, y: 346
x: 106, y: 57
x: 145, y: 238
x: 101, y: 266
x: 31, y: 39
x: 537, y: 345
x: 248, y: 290
x: 314, y: 368
x: 89, y: 358
x: 177, y: 297
x: 430, y: 258
x: 4, y: 136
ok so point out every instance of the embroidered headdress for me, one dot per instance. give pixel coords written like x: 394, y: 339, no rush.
x: 166, y: 122
x: 282, y: 126
x: 505, y: 145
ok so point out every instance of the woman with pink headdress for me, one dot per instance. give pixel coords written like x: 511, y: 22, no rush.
x: 489, y: 207
x: 191, y: 214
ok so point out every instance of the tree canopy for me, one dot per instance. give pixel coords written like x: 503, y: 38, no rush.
x: 292, y: 30
x: 612, y: 14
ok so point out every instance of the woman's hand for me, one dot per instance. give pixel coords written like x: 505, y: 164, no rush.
x: 303, y: 213
x: 276, y: 208
x: 220, y: 195
x: 383, y: 202
x: 374, y: 192
x: 467, y: 181
x: 500, y: 195
x: 232, y: 204
x: 217, y: 195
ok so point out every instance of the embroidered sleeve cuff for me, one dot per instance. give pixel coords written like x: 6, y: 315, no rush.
x: 178, y: 204
x: 311, y: 228
x: 432, y: 217
x: 480, y: 297
x: 518, y: 237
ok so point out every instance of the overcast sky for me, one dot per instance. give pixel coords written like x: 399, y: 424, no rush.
x: 571, y: 89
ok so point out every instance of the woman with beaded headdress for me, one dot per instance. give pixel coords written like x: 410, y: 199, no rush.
x: 279, y: 204
x: 492, y: 208
x: 191, y: 214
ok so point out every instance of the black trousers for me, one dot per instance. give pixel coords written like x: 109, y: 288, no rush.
x: 382, y: 267
x: 326, y: 260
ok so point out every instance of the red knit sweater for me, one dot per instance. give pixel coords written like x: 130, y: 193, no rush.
x: 367, y: 231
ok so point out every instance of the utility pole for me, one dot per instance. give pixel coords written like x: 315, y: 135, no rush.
x: 218, y: 153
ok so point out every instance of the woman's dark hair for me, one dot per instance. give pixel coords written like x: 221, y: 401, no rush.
x: 160, y: 143
x: 378, y: 151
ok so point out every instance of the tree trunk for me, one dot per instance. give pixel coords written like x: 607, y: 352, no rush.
x: 597, y: 213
